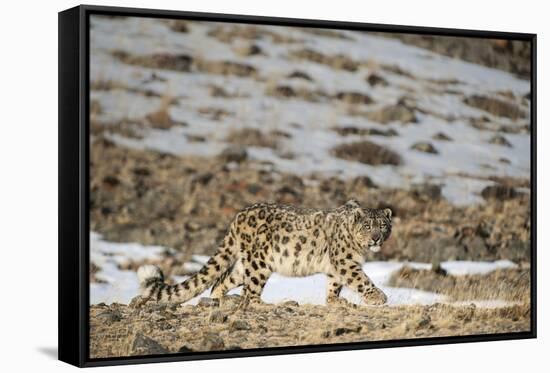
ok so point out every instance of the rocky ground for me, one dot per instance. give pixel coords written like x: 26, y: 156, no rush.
x: 121, y: 330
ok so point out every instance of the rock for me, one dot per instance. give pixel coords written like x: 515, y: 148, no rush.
x: 184, y: 349
x: 254, y: 188
x: 176, y: 62
x: 209, y: 302
x: 299, y: 75
x: 338, y: 61
x: 156, y: 307
x: 500, y: 140
x: 226, y: 68
x: 436, y: 268
x: 287, y: 194
x: 240, y: 325
x: 141, y: 171
x: 289, y: 306
x: 179, y: 25
x: 425, y: 147
x: 195, y: 138
x: 424, y: 321
x: 109, y: 316
x: 436, y: 248
x: 104, y: 211
x: 214, y: 113
x: 290, y: 303
x: 426, y: 191
x: 375, y: 79
x: 144, y: 345
x: 203, y: 178
x: 351, y: 130
x: 282, y: 91
x: 233, y: 153
x: 262, y: 318
x: 248, y: 50
x: 393, y: 113
x: 352, y: 97
x: 342, y: 331
x: 212, y: 342
x: 111, y: 181
x: 161, y: 119
x: 367, y: 152
x: 251, y: 137
x: 192, y: 226
x: 280, y: 133
x: 395, y: 69
x: 294, y: 181
x: 499, y: 192
x: 288, y: 92
x: 483, y: 229
x: 441, y: 137
x: 364, y: 181
x: 218, y: 317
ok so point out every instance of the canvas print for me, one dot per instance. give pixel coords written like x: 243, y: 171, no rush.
x: 262, y: 186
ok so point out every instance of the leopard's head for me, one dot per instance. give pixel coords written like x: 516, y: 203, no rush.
x: 371, y: 226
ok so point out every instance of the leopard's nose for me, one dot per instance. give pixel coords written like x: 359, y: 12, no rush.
x: 376, y: 236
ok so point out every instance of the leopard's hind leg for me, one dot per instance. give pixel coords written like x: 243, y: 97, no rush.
x: 257, y: 273
x: 230, y: 279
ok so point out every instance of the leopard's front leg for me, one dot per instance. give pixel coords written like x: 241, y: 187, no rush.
x: 333, y: 290
x: 351, y: 274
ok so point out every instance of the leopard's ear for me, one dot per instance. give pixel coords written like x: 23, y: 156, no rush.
x: 388, y: 213
x: 352, y: 203
x: 358, y: 215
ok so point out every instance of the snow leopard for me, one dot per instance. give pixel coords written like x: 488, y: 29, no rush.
x: 268, y: 238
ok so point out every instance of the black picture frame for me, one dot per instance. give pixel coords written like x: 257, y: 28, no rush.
x: 74, y: 82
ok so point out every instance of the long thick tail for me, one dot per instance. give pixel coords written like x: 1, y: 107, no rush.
x: 152, y: 285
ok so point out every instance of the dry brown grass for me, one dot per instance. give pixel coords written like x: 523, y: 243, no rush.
x: 229, y: 33
x: 113, y: 85
x: 186, y: 63
x: 127, y: 128
x: 284, y: 91
x: 252, y: 137
x: 161, y: 118
x: 496, y: 106
x: 367, y: 152
x: 506, y: 284
x: 339, y: 61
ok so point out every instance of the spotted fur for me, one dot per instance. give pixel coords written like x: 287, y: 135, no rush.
x: 267, y: 238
